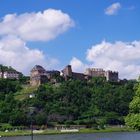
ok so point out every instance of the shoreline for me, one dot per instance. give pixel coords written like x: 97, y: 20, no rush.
x: 55, y: 132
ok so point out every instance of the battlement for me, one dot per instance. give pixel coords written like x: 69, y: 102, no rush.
x: 113, y: 72
x: 95, y: 69
x: 99, y: 72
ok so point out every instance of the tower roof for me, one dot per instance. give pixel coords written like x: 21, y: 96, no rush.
x: 38, y: 68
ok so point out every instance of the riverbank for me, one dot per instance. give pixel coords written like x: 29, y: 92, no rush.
x: 52, y: 132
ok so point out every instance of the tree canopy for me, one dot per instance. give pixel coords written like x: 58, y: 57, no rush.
x: 91, y: 102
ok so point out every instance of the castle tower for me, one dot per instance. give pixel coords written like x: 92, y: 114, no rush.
x: 38, y: 76
x: 111, y: 76
x: 67, y: 71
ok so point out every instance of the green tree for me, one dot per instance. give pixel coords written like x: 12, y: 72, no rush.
x: 133, y: 118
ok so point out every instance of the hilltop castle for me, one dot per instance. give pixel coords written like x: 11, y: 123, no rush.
x: 39, y: 75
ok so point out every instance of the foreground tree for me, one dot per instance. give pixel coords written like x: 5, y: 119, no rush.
x: 133, y: 118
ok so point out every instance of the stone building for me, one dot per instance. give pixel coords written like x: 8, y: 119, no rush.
x: 95, y: 72
x: 78, y: 76
x: 52, y: 74
x: 38, y: 76
x: 67, y: 73
x: 111, y: 76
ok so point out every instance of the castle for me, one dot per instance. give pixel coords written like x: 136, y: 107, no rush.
x: 96, y: 72
x: 68, y: 73
x: 39, y: 75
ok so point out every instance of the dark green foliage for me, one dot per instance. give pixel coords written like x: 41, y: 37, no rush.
x: 24, y: 79
x: 6, y: 68
x: 8, y: 86
x: 93, y: 103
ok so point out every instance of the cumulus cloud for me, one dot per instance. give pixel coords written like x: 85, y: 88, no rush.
x: 113, y: 9
x: 14, y: 52
x: 17, y: 30
x: 77, y: 65
x: 40, y: 26
x: 119, y: 56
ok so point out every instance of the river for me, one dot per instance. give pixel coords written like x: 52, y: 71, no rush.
x: 95, y: 136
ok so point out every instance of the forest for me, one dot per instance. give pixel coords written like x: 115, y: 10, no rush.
x: 93, y: 103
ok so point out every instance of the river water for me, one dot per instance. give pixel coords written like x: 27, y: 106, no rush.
x: 95, y: 136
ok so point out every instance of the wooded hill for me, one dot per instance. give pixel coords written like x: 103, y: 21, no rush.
x: 96, y: 102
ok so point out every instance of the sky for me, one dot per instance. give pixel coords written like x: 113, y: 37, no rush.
x: 84, y: 33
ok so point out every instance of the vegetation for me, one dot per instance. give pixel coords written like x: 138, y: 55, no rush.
x: 52, y: 131
x: 92, y: 103
x: 24, y: 92
x: 6, y: 68
x: 133, y: 118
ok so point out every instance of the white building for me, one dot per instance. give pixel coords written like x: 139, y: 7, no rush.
x: 8, y: 73
x: 1, y: 74
x: 11, y: 75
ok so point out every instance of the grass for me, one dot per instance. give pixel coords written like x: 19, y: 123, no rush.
x: 14, y: 133
x: 106, y: 130
x: 52, y: 132
x: 24, y: 93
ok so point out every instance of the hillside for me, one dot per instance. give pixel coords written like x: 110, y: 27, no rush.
x: 25, y: 92
x: 93, y: 102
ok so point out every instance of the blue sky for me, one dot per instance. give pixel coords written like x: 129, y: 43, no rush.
x: 92, y: 28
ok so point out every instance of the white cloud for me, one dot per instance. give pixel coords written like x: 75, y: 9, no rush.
x: 40, y: 26
x: 14, y: 52
x: 77, y: 65
x: 17, y: 30
x: 119, y: 56
x: 113, y: 9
